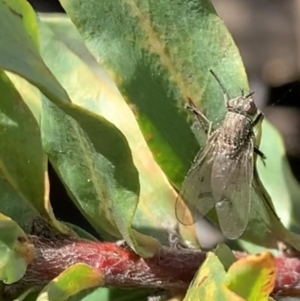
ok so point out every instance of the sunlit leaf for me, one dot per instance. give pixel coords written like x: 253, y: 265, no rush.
x: 15, y: 251
x: 208, y: 283
x: 73, y: 280
x: 93, y: 91
x: 23, y: 162
x: 265, y: 227
x: 18, y: 39
x: 159, y: 53
x: 277, y: 170
x: 252, y: 277
x: 118, y: 165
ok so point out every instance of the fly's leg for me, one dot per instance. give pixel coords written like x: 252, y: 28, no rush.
x: 260, y: 154
x: 209, y: 129
x: 259, y: 118
x: 205, y: 124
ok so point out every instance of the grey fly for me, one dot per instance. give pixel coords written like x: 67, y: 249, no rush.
x: 222, y: 173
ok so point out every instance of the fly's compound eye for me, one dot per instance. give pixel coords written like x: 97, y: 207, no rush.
x: 250, y: 107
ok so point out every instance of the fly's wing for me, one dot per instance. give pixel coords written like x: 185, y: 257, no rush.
x: 231, y: 185
x: 195, y: 198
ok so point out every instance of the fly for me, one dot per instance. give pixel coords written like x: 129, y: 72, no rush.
x: 222, y: 173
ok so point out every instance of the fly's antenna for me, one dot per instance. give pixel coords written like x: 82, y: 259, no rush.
x: 250, y: 94
x: 219, y: 82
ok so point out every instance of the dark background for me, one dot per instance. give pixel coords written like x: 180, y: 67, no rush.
x: 267, y: 33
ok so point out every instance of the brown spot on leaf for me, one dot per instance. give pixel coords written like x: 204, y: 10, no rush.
x: 134, y: 110
x: 202, y: 281
x: 19, y: 15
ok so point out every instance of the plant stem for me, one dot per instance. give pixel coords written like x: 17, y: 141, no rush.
x: 171, y: 269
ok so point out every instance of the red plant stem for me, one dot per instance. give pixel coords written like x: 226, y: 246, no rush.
x: 170, y: 269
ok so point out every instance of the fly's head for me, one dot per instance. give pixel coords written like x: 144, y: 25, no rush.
x: 243, y: 105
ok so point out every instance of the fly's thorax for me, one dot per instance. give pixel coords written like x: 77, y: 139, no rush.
x: 236, y: 133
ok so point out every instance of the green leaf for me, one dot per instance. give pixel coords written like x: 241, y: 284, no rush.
x: 154, y: 59
x: 94, y: 91
x: 277, y: 170
x: 88, y: 174
x: 73, y: 280
x: 14, y: 206
x: 159, y: 53
x: 253, y: 277
x: 81, y: 232
x: 15, y: 252
x: 265, y: 227
x: 18, y: 40
x: 25, y: 181
x: 23, y: 163
x: 118, y: 165
x: 94, y: 161
x: 208, y: 283
x: 29, y: 93
x: 225, y: 255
